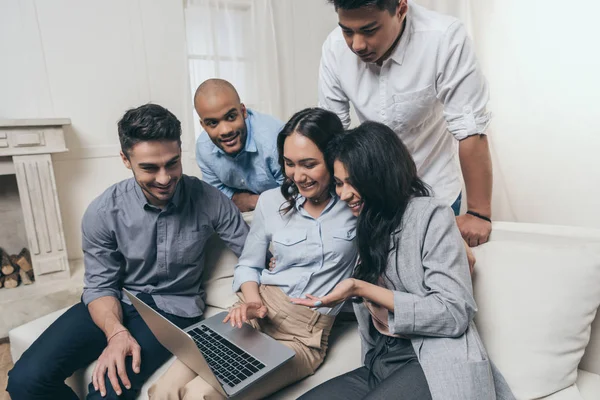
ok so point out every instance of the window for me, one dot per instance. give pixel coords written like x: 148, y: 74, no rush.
x: 219, y: 45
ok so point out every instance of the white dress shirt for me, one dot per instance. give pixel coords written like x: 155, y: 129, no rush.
x: 430, y: 86
x: 312, y: 255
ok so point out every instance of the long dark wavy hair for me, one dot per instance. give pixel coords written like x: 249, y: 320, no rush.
x: 320, y: 126
x: 383, y: 172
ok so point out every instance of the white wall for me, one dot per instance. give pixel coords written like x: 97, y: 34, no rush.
x: 542, y: 62
x: 302, y: 28
x: 91, y: 61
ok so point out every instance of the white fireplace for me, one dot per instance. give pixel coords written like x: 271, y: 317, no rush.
x: 33, y: 218
x: 25, y: 151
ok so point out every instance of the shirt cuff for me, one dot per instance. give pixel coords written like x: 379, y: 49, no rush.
x: 469, y: 124
x: 227, y: 192
x: 90, y: 295
x: 402, y: 320
x: 243, y: 275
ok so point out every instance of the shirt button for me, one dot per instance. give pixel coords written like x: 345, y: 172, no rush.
x: 243, y: 182
x: 161, y: 240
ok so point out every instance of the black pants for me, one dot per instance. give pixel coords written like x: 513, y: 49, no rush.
x: 391, y: 371
x: 72, y: 342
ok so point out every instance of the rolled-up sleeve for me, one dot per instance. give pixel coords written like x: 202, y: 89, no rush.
x: 253, y: 258
x: 460, y: 85
x: 103, y: 262
x: 448, y: 306
x: 331, y: 95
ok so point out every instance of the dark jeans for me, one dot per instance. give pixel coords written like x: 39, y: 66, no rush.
x: 391, y: 371
x: 72, y: 342
x: 456, y: 205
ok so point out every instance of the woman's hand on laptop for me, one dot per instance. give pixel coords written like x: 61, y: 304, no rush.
x: 244, y: 312
x: 120, y: 345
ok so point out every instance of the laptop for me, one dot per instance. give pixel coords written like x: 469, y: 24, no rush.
x: 228, y: 358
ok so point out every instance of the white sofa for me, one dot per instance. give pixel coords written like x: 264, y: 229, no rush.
x: 538, y: 289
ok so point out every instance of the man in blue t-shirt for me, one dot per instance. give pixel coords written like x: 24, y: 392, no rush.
x: 238, y: 153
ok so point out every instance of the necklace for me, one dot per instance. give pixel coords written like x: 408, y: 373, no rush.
x: 319, y: 200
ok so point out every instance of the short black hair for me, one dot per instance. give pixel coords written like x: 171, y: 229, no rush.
x: 389, y: 5
x: 147, y: 123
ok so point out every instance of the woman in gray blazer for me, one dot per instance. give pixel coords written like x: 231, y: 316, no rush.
x: 412, y: 290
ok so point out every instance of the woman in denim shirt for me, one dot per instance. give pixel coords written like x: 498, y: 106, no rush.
x: 312, y: 235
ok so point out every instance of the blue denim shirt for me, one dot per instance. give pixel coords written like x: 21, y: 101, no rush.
x: 129, y: 243
x: 312, y: 255
x: 255, y: 168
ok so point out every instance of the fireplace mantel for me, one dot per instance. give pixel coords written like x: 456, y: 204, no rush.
x: 26, y: 146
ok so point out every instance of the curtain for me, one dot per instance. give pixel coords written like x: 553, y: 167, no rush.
x: 457, y: 8
x: 235, y: 40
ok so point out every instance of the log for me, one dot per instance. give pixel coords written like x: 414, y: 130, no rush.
x: 23, y: 261
x: 11, y: 281
x: 7, y: 266
x: 25, y: 278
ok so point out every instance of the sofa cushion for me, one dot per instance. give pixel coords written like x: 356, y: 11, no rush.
x: 23, y: 336
x: 218, y: 274
x: 588, y: 385
x: 537, y: 299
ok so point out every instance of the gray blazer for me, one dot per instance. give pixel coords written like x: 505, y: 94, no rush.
x: 434, y: 306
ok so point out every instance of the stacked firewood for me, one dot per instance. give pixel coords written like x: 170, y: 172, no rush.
x: 15, y: 269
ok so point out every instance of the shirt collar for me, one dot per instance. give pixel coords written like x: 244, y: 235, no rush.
x: 175, y: 201
x: 400, y: 50
x: 250, y: 146
x: 300, y: 200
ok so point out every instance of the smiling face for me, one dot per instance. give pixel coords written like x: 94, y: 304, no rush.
x: 344, y: 188
x: 156, y: 166
x: 223, y: 118
x: 372, y: 33
x: 305, y: 166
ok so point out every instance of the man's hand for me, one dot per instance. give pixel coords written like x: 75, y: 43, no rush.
x: 470, y: 257
x: 340, y: 293
x: 245, y: 312
x: 245, y: 201
x: 475, y: 231
x: 112, y: 359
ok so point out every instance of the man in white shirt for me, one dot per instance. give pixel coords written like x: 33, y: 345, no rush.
x: 415, y: 70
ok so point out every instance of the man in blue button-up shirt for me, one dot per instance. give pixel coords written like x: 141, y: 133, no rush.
x: 146, y: 234
x: 237, y: 152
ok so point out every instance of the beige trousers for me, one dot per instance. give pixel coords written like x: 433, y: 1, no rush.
x: 303, y: 330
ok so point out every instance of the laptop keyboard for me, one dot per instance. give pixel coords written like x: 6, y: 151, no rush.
x: 229, y: 363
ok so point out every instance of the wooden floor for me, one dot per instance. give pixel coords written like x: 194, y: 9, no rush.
x: 5, y: 365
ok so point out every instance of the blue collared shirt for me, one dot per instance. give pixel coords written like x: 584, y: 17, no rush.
x: 128, y: 243
x: 255, y: 168
x: 312, y: 255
